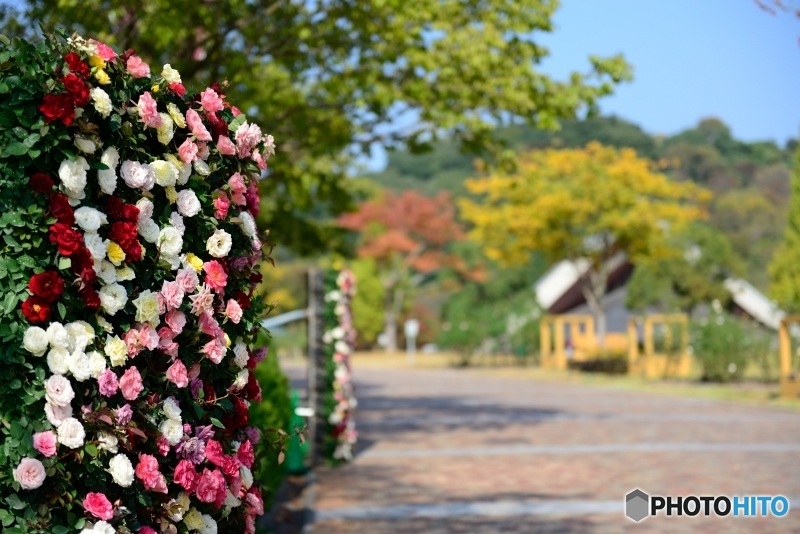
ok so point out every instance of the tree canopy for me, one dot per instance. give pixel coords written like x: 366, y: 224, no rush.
x: 331, y: 78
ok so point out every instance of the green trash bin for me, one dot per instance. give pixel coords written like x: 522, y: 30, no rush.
x: 296, y: 452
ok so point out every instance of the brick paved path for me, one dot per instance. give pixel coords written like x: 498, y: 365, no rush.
x: 449, y: 451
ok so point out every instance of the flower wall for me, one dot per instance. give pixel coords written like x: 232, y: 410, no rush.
x: 127, y: 266
x: 339, y: 339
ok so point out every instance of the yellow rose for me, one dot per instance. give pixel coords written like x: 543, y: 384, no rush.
x: 101, y: 77
x: 227, y: 341
x: 97, y: 61
x: 116, y: 350
x: 155, y: 88
x: 147, y: 308
x: 193, y: 519
x: 172, y: 195
x: 115, y: 253
x: 195, y: 262
x: 176, y: 115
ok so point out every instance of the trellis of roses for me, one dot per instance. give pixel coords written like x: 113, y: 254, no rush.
x: 127, y: 266
x: 339, y: 339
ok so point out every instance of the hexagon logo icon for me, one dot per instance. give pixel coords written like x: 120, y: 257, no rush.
x: 637, y: 504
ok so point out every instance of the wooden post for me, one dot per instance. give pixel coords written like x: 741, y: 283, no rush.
x: 560, y: 358
x: 545, y: 343
x: 785, y: 349
x: 316, y: 367
x: 633, y: 345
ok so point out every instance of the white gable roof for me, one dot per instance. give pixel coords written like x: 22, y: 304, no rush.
x: 754, y: 302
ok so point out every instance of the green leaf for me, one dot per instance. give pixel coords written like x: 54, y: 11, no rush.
x: 15, y: 502
x: 64, y: 263
x: 31, y: 140
x: 91, y: 450
x: 60, y: 529
x: 216, y: 422
x: 15, y: 149
x: 27, y: 261
x: 236, y: 122
x: 62, y: 310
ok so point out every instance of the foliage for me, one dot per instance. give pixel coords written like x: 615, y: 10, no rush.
x: 785, y: 267
x: 724, y: 345
x: 693, y: 276
x: 603, y: 361
x: 583, y: 204
x: 334, y: 77
x: 367, y: 304
x: 104, y: 264
x: 407, y: 236
x: 339, y: 339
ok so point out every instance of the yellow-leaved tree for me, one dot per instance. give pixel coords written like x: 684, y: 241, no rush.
x: 581, y: 204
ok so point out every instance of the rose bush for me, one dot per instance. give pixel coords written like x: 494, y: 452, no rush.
x: 339, y: 340
x: 127, y: 208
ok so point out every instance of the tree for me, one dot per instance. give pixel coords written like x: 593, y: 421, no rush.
x: 694, y: 275
x: 408, y: 236
x: 784, y: 270
x: 332, y: 78
x: 581, y: 204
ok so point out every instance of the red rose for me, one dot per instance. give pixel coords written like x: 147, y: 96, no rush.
x: 61, y: 210
x: 130, y: 213
x: 238, y: 418
x: 36, y: 310
x: 125, y: 233
x: 253, y: 389
x: 77, y: 90
x: 58, y: 107
x: 41, y: 183
x: 76, y: 65
x: 90, y: 297
x: 219, y: 128
x: 47, y: 285
x: 68, y: 240
x: 83, y: 265
x: 178, y: 89
x: 114, y: 207
x: 209, y: 395
x: 243, y: 300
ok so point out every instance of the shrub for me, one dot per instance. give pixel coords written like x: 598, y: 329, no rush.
x: 604, y: 361
x: 721, y: 345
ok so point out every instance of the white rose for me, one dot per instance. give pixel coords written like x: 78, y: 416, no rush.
x: 165, y: 174
x: 241, y: 357
x: 231, y: 501
x: 107, y: 180
x: 90, y: 219
x: 149, y: 230
x: 170, y: 241
x: 241, y: 379
x: 105, y: 325
x: 101, y: 527
x: 71, y: 433
x: 85, y: 145
x: 57, y: 335
x: 105, y: 271
x: 88, y: 329
x: 35, y: 340
x: 201, y: 167
x: 73, y: 174
x: 248, y: 224
x: 209, y: 525
x: 337, y: 333
x: 137, y: 175
x: 177, y: 222
x: 170, y: 75
x: 79, y: 366
x: 184, y: 172
x: 58, y: 360
x: 172, y: 430
x: 219, y: 244
x: 188, y: 204
x: 110, y: 158
x: 58, y: 390
x: 113, y: 298
x: 74, y: 197
x: 166, y: 131
x: 96, y: 245
x: 341, y: 347
x: 145, y: 207
x: 116, y: 350
x: 171, y: 409
x: 247, y: 476
x: 102, y: 102
x: 176, y: 115
x: 77, y: 337
x: 183, y: 501
x: 30, y: 474
x: 107, y: 442
x: 147, y: 307
x: 125, y: 273
x: 97, y: 364
x: 57, y: 414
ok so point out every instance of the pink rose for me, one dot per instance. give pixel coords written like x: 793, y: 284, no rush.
x: 211, y: 101
x: 209, y: 486
x: 231, y: 466
x: 209, y: 326
x: 226, y: 146
x: 253, y: 434
x: 214, y: 453
x: 131, y: 384
x: 187, y: 279
x: 256, y: 156
x: 124, y: 414
x: 176, y: 320
x: 30, y: 473
x: 216, y: 277
x: 221, y: 205
x: 131, y: 339
x: 147, y: 530
x: 194, y: 372
x: 137, y: 67
x: 196, y: 126
x: 177, y: 374
x: 148, y: 110
x: 45, y: 442
x: 173, y: 294
x: 147, y: 471
x: 203, y: 300
x: 252, y: 198
x: 202, y: 151
x: 247, y: 137
x: 105, y: 52
x: 233, y: 311
x: 245, y: 454
x: 255, y: 505
x: 187, y: 151
x: 249, y: 524
x: 162, y: 305
x: 185, y: 475
x: 163, y: 445
x: 148, y: 336
x: 236, y: 183
x: 107, y: 383
x: 98, y: 505
x: 214, y: 350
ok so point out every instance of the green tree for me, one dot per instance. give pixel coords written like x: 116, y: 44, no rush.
x: 330, y: 79
x: 367, y: 305
x: 785, y: 267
